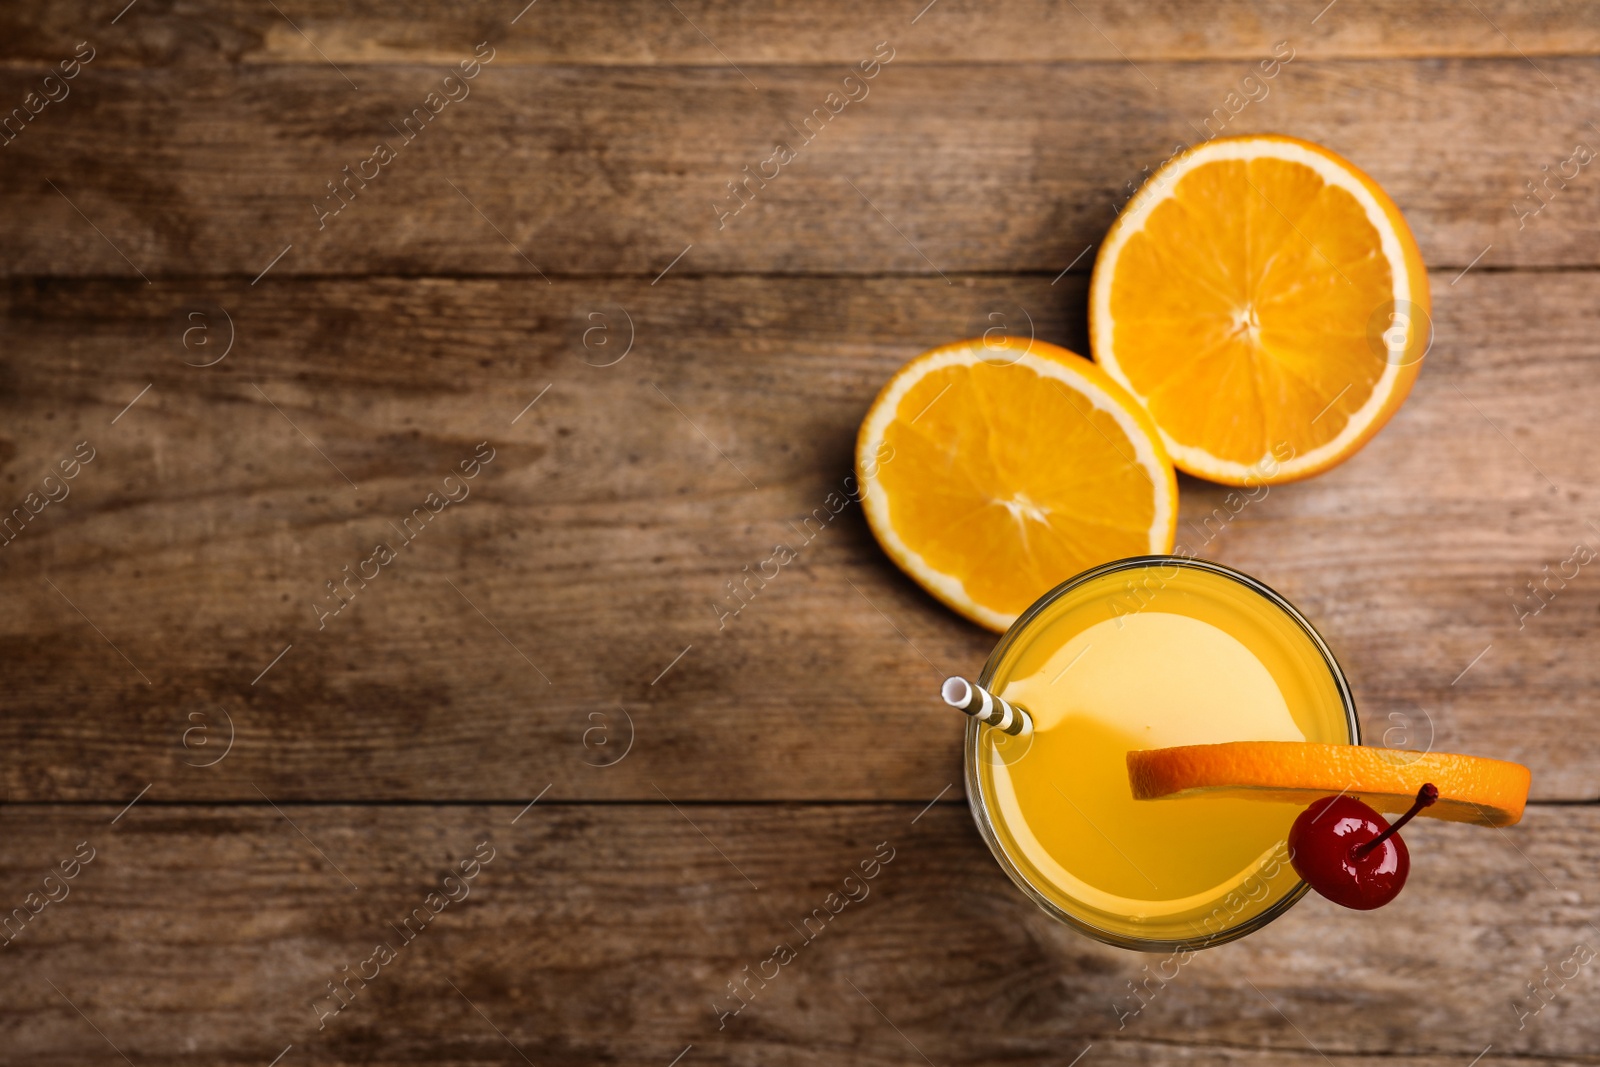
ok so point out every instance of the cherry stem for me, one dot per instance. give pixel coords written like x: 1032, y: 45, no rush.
x: 1425, y: 797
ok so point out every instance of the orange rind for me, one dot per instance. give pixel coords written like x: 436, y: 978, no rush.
x: 1472, y: 789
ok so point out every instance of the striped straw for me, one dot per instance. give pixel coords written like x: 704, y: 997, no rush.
x: 987, y: 708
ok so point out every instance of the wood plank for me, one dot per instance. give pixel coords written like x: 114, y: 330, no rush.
x: 979, y: 167
x: 594, y: 548
x: 606, y: 934
x: 816, y: 31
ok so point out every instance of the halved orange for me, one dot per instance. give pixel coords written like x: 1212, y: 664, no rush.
x: 1473, y: 789
x: 1265, y: 302
x: 992, y: 470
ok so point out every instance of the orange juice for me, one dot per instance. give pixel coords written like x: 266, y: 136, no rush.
x: 1148, y: 653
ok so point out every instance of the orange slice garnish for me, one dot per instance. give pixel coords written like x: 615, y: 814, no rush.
x: 1473, y: 789
x: 993, y: 470
x: 1265, y: 302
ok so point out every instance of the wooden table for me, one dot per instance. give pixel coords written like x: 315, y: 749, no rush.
x: 272, y: 375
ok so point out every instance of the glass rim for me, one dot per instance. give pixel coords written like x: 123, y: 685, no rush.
x: 984, y: 818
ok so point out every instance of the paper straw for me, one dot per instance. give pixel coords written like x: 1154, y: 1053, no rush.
x: 987, y: 708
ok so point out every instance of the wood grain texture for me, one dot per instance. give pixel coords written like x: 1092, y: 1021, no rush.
x: 641, y: 32
x: 598, y: 544
x: 606, y: 934
x: 983, y: 167
x: 550, y: 271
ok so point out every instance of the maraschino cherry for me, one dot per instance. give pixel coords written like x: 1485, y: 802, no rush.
x: 1349, y: 853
